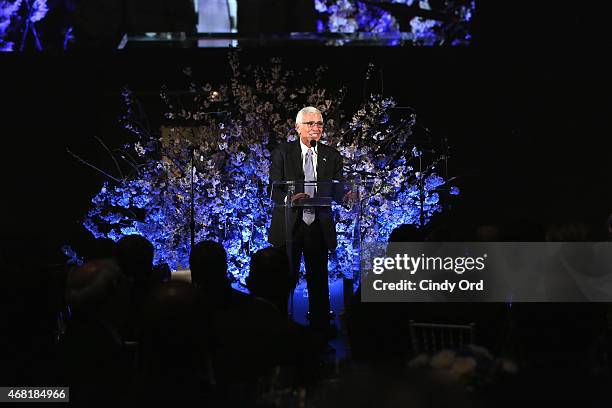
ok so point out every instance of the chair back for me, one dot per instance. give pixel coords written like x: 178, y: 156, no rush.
x: 433, y: 337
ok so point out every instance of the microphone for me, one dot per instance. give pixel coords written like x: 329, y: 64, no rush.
x: 313, y: 144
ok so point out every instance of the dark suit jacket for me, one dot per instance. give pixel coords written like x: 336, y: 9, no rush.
x: 287, y: 166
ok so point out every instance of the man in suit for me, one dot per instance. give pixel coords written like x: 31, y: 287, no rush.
x: 313, y: 228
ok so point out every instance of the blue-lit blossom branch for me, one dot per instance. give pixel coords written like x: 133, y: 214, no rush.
x: 351, y: 16
x: 218, y: 137
x: 18, y: 22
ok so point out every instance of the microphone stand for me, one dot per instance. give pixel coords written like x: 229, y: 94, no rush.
x: 192, y: 200
x: 421, y: 192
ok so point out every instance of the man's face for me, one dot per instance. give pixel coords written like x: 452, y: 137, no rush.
x: 311, y: 131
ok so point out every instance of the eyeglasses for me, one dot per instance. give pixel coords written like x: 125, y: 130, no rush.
x: 312, y: 124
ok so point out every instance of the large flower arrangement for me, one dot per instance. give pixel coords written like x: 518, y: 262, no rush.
x: 350, y: 16
x: 212, y: 156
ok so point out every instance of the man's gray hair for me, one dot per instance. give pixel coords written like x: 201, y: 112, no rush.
x: 308, y: 109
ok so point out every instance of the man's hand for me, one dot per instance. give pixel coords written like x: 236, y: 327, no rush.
x: 298, y: 196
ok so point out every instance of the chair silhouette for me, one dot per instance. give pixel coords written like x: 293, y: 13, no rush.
x: 433, y: 337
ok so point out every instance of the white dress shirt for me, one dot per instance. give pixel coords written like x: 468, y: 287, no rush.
x: 213, y: 16
x: 314, y: 157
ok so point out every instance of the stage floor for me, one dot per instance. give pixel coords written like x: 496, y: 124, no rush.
x: 300, y: 310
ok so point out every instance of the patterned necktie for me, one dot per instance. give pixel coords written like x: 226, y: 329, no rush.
x: 309, y: 175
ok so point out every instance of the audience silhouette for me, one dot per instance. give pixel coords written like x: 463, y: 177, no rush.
x: 117, y: 330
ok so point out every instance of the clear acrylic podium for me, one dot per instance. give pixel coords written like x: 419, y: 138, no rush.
x: 348, y: 194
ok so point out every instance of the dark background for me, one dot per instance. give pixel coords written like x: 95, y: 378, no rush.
x: 526, y: 110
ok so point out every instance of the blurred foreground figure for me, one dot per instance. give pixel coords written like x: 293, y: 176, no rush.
x: 90, y: 353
